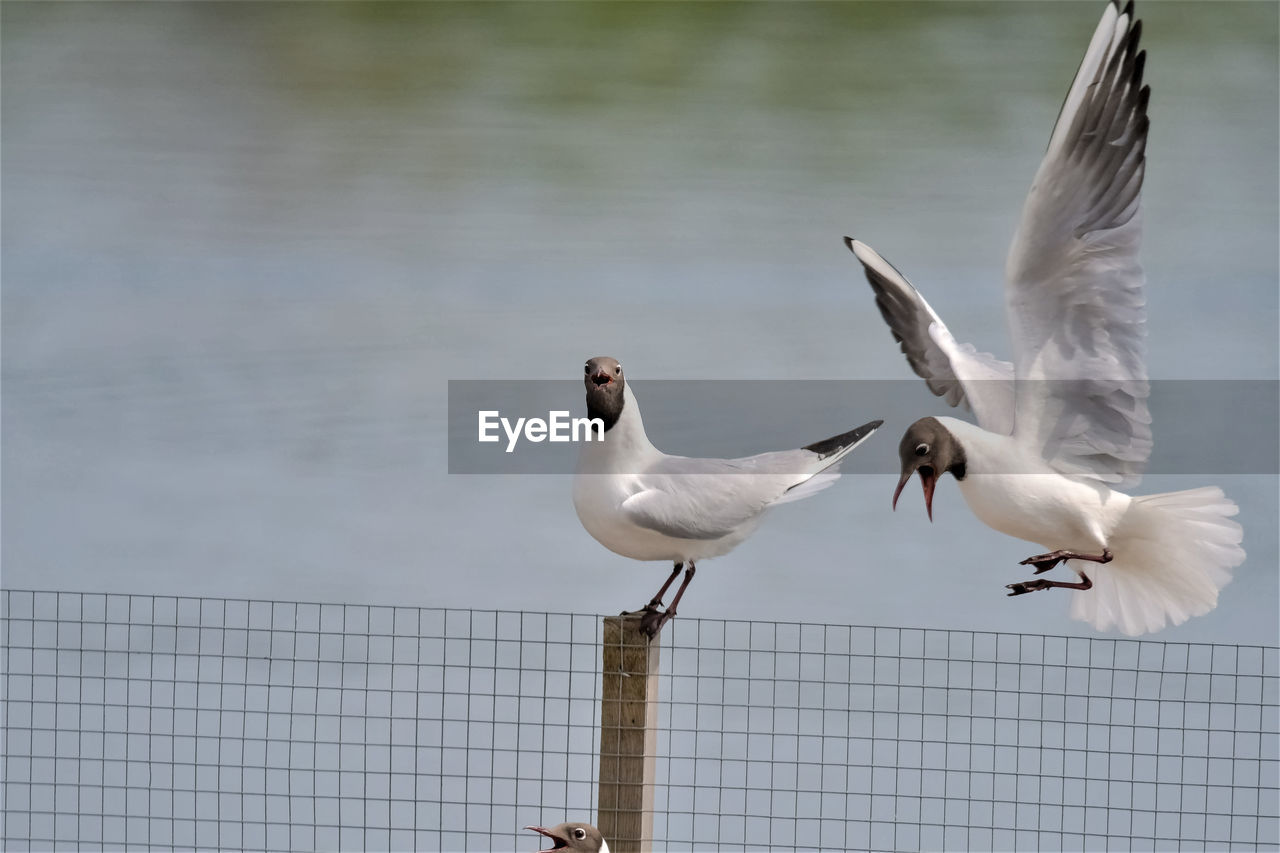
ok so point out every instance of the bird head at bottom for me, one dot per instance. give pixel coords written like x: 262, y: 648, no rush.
x: 573, y: 836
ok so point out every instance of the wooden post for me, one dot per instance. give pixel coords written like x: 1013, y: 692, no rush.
x: 628, y: 735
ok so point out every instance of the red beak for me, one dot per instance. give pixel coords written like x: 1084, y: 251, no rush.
x: 928, y: 480
x: 898, y: 491
x: 559, y: 842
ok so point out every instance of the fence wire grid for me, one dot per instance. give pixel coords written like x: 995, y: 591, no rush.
x: 141, y: 721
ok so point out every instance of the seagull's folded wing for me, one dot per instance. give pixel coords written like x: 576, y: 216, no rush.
x: 692, y: 506
x: 957, y: 372
x: 1074, y: 284
x: 711, y: 498
x: 700, y: 498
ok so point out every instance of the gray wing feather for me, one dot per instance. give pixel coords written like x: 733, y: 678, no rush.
x: 1074, y: 283
x: 956, y: 372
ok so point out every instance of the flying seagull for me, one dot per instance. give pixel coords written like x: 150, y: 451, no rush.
x: 641, y: 503
x: 1049, y: 448
x: 573, y: 836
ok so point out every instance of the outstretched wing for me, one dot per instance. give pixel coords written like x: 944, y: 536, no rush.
x: 954, y: 371
x: 1074, y: 284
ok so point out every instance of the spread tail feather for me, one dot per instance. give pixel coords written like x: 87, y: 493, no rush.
x: 1173, y: 552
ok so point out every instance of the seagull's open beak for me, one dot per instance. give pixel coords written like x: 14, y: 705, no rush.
x: 558, y: 843
x: 601, y: 377
x: 928, y: 479
x: 902, y: 481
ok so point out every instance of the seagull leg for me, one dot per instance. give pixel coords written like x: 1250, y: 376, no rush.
x: 1041, y: 583
x: 656, y: 602
x: 688, y: 576
x: 652, y: 621
x: 1045, y: 562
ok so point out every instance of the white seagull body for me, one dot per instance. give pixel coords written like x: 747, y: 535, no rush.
x: 644, y: 504
x: 1049, y: 446
x: 647, y: 505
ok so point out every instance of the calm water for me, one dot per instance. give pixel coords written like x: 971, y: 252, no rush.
x: 245, y: 246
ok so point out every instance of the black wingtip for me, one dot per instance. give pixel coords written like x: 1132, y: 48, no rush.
x: 836, y: 443
x: 848, y: 241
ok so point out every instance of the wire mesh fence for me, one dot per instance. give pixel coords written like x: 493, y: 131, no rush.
x: 139, y: 721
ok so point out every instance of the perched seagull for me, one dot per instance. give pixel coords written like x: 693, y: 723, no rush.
x: 573, y: 836
x: 641, y: 503
x: 1041, y: 464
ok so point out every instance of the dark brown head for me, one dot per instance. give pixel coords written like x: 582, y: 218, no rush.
x: 573, y: 836
x: 930, y: 448
x: 604, y: 381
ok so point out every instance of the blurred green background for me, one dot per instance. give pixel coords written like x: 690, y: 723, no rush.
x: 245, y: 245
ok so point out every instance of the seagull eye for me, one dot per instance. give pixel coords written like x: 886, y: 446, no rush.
x: 586, y: 368
x: 618, y: 370
x: 922, y: 449
x: 579, y: 833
